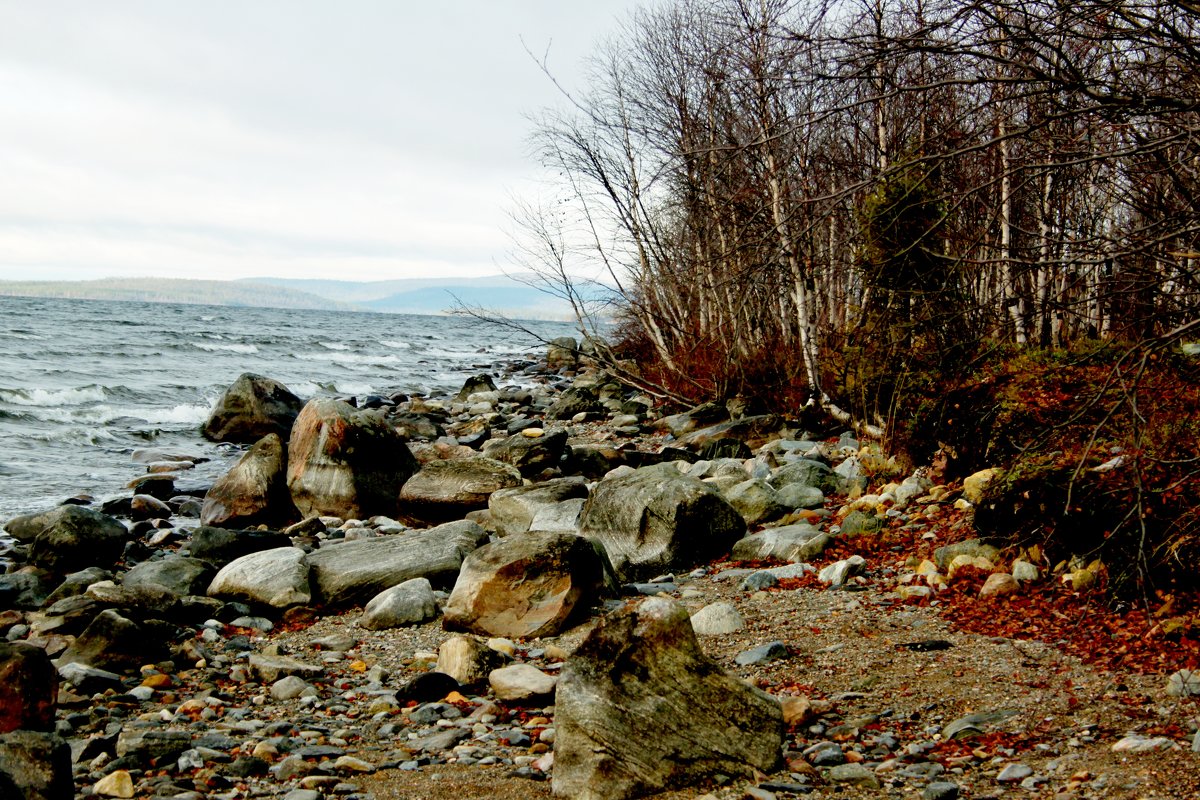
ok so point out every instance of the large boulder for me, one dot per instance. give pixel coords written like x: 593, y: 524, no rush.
x: 576, y: 400
x: 254, y: 491
x: 701, y: 416
x: 532, y: 584
x: 513, y: 510
x: 28, y: 688
x: 755, y: 500
x: 529, y: 454
x: 26, y: 590
x: 35, y: 766
x: 346, y: 463
x: 640, y: 708
x: 70, y: 538
x: 474, y: 384
x: 251, y: 408
x: 789, y: 543
x: 808, y: 472
x: 179, y: 575
x: 356, y: 571
x: 445, y: 490
x: 115, y: 643
x: 562, y: 353
x: 754, y: 431
x: 655, y: 519
x: 278, y: 578
x: 219, y: 546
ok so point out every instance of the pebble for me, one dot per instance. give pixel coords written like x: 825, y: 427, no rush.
x: 940, y: 790
x: 1012, y: 773
x: 772, y: 651
x: 118, y: 783
x: 854, y: 774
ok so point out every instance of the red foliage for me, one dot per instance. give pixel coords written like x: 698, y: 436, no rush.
x: 1082, y: 624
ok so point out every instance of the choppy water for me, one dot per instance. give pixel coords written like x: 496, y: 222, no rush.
x: 85, y: 383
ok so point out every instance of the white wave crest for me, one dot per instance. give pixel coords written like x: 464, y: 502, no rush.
x: 53, y: 397
x: 334, y: 345
x: 231, y: 348
x: 183, y: 414
x: 396, y: 344
x: 350, y: 359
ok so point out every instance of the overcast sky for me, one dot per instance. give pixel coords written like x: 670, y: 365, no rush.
x: 355, y: 139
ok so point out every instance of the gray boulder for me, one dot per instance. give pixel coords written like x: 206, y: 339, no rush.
x: 345, y: 462
x: 35, y: 766
x: 576, y: 400
x: 251, y: 408
x: 807, y: 472
x: 655, y: 520
x: 446, y: 490
x: 354, y: 572
x: 254, y: 491
x: 789, y: 543
x: 532, y: 584
x: 562, y: 353
x: 26, y: 590
x: 179, y: 575
x: 70, y: 538
x: 755, y: 431
x: 409, y: 603
x: 530, y: 455
x: 513, y: 510
x: 640, y: 708
x: 115, y: 643
x: 77, y: 583
x: 756, y: 501
x: 474, y: 384
x: 278, y: 578
x: 220, y: 546
x: 797, y: 495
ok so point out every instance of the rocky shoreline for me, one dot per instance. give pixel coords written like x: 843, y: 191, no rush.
x: 486, y: 594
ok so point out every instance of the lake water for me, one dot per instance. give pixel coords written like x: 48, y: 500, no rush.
x: 85, y: 383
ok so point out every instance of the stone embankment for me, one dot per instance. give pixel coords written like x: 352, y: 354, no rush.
x: 545, y: 587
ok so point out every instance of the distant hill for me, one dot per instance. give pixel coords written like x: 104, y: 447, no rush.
x: 504, y: 294
x: 174, y: 290
x: 499, y: 294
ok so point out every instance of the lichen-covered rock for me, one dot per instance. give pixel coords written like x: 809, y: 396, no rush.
x: 789, y: 543
x: 354, y: 572
x: 447, y: 490
x: 524, y: 586
x: 70, y: 538
x: 35, y: 766
x: 345, y: 462
x: 254, y: 491
x: 116, y: 643
x: 655, y: 519
x: 278, y: 578
x: 529, y: 454
x: 640, y: 708
x: 513, y: 510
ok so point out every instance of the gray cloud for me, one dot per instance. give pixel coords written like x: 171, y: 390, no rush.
x: 363, y: 139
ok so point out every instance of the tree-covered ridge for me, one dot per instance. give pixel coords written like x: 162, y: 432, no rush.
x: 171, y: 290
